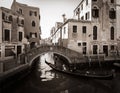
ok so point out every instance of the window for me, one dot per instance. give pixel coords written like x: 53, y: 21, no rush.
x: 86, y: 2
x: 84, y: 29
x: 86, y: 16
x: 79, y: 44
x: 112, y: 47
x: 95, y: 12
x: 8, y: 52
x: 33, y: 23
x: 74, y: 29
x: 3, y: 15
x: 22, y: 22
x: 82, y: 7
x: 10, y: 18
x: 30, y: 13
x: 95, y: 33
x: 20, y: 36
x: 112, y: 13
x: 84, y: 44
x: 112, y: 33
x: 17, y: 19
x: 33, y: 35
x: 112, y: 1
x: 20, y: 11
x: 35, y: 13
x: 39, y: 17
x: 36, y: 35
x: 94, y: 0
x: 7, y: 35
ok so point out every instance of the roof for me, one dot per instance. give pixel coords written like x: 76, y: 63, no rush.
x: 71, y: 20
x: 24, y: 5
x: 9, y: 11
x: 79, y: 4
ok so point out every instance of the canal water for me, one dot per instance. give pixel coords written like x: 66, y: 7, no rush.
x: 45, y: 80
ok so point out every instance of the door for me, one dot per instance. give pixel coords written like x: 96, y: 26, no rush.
x: 19, y: 50
x: 84, y: 50
x: 95, y: 49
x: 105, y: 50
x: 32, y: 45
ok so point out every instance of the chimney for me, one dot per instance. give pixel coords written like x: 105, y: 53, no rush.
x: 14, y: 0
x: 64, y: 19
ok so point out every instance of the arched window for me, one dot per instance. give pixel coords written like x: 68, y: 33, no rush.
x: 112, y: 33
x: 95, y: 12
x: 95, y: 33
x: 22, y: 22
x: 112, y: 13
x: 33, y: 23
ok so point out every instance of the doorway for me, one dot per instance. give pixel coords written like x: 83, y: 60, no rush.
x: 105, y: 50
x: 95, y: 48
x: 19, y: 50
x: 32, y: 45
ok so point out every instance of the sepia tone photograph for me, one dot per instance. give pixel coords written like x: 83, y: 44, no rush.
x: 59, y: 46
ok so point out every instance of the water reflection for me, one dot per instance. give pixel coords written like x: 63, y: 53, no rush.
x: 67, y: 84
x: 45, y: 69
x: 46, y: 80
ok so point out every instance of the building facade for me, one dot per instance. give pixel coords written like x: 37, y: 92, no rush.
x: 32, y: 21
x: 93, y: 30
x: 55, y: 34
x: 11, y: 33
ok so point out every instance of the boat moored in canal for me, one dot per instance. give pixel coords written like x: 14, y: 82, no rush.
x: 82, y: 74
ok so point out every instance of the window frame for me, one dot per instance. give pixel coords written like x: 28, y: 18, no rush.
x: 95, y: 12
x: 94, y: 0
x: 74, y: 29
x: 112, y: 13
x: 20, y: 37
x: 7, y: 37
x: 112, y: 33
x: 84, y: 29
x: 33, y: 24
x: 112, y: 1
x: 95, y: 32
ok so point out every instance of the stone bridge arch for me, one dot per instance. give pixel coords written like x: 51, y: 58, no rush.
x: 71, y: 56
x: 36, y: 56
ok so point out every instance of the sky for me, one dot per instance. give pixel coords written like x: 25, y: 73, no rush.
x: 51, y: 11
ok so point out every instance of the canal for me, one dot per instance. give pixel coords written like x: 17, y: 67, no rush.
x: 44, y: 80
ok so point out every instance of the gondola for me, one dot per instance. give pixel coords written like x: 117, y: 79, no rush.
x: 83, y: 74
x: 116, y: 64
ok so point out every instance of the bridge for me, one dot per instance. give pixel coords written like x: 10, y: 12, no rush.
x: 28, y: 58
x: 70, y: 55
x: 25, y: 61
